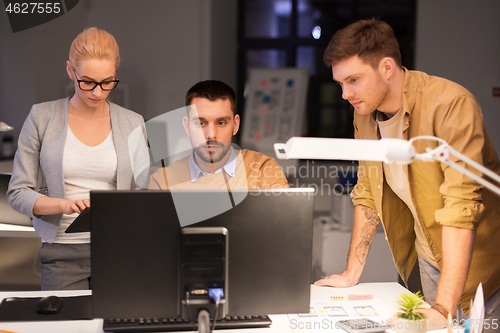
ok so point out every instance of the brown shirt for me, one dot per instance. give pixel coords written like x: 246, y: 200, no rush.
x: 441, y: 195
x: 253, y: 171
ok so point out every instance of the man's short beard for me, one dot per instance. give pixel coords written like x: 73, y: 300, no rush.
x: 210, y: 158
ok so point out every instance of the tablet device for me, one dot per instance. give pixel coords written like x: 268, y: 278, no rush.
x: 81, y: 223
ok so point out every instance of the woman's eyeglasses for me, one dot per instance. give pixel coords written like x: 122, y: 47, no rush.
x: 87, y: 85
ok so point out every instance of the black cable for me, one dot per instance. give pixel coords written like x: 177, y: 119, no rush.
x: 215, y: 316
x: 216, y: 294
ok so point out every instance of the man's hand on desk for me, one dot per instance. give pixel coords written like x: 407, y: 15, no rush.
x: 337, y: 280
x: 435, y: 320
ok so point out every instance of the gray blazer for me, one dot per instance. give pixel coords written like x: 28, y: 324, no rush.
x: 39, y: 157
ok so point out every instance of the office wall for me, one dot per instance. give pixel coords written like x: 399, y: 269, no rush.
x: 460, y: 40
x: 166, y: 47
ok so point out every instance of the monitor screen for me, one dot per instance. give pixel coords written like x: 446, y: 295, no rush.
x: 135, y: 237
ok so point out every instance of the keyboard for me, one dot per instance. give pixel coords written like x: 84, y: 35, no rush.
x: 179, y: 324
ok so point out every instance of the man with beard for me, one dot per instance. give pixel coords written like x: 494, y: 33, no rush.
x: 430, y: 211
x: 215, y: 163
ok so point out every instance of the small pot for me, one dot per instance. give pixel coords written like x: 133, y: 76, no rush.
x: 411, y: 326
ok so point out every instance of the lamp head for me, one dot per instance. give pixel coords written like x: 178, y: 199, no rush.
x: 383, y: 150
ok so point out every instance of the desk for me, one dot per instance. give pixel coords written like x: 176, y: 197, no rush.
x: 22, y: 231
x: 386, y: 294
x: 20, y: 258
x: 6, y: 164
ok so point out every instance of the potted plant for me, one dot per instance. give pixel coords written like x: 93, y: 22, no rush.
x: 410, y: 321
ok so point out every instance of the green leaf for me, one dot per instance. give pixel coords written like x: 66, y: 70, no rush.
x: 409, y: 302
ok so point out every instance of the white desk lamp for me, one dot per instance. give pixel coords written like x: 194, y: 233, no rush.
x: 383, y: 150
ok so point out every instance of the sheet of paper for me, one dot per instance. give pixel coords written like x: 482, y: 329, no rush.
x: 325, y: 312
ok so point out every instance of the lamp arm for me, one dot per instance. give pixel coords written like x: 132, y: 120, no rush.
x: 442, y: 154
x: 384, y: 150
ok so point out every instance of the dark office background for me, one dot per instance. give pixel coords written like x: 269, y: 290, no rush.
x: 168, y: 45
x: 295, y: 33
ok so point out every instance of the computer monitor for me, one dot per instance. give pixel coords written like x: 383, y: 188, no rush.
x: 8, y: 214
x: 135, y: 251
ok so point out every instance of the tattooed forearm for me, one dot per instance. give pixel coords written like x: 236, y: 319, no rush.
x: 368, y: 231
x: 372, y: 220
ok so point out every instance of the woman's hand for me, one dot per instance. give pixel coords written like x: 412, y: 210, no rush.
x: 53, y: 206
x: 74, y: 206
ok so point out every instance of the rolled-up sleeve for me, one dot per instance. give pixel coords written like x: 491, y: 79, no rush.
x: 361, y: 193
x: 461, y: 125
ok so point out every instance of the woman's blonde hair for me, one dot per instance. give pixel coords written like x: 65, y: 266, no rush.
x: 93, y: 43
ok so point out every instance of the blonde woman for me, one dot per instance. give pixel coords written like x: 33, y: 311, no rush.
x: 67, y: 148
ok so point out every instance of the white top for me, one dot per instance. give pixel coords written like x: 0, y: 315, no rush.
x: 397, y: 178
x: 85, y: 168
